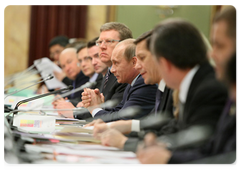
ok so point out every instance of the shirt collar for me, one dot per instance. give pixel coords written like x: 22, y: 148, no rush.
x: 134, y: 80
x: 185, y: 84
x: 93, y: 78
x: 161, y: 85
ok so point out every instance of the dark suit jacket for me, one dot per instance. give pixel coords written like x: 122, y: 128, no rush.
x: 113, y: 89
x: 99, y: 82
x: 80, y: 80
x: 219, y: 147
x: 139, y: 94
x: 205, y: 101
x: 67, y: 81
x: 165, y: 107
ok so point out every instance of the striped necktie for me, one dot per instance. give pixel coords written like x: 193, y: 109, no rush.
x: 106, y: 79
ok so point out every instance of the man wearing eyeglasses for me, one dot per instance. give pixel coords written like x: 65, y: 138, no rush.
x: 110, y: 34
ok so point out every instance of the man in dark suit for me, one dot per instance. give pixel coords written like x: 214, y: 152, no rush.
x: 221, y: 147
x: 137, y: 93
x: 110, y: 34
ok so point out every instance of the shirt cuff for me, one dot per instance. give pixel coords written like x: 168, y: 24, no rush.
x: 135, y: 127
x: 95, y: 111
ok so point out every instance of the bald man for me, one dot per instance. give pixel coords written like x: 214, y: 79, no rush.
x: 71, y: 67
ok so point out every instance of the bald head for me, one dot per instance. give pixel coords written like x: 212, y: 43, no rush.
x: 69, y: 62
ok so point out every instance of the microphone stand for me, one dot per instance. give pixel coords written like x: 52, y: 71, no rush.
x: 15, y: 111
x: 48, y: 78
x: 23, y: 72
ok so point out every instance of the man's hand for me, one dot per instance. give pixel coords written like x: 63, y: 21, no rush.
x: 112, y: 137
x: 152, y: 152
x: 86, y: 97
x: 154, y: 155
x: 94, y: 122
x: 65, y: 105
x: 99, y: 128
x: 80, y: 104
x: 56, y: 99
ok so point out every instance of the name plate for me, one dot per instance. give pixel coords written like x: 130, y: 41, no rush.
x: 33, y: 123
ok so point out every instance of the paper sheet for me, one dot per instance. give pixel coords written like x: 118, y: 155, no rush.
x: 46, y: 66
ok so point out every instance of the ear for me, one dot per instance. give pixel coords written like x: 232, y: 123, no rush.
x: 165, y: 64
x: 134, y: 61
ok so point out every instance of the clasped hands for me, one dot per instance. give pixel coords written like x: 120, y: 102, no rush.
x: 91, y: 99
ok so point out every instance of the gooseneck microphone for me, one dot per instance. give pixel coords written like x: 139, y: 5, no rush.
x: 70, y: 87
x: 15, y: 111
x: 14, y: 92
x: 33, y: 81
x: 23, y: 72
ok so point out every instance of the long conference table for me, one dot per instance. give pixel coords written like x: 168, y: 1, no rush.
x: 43, y: 137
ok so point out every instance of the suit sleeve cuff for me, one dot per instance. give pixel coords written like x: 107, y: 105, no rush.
x: 95, y: 111
x: 135, y: 127
x: 131, y: 144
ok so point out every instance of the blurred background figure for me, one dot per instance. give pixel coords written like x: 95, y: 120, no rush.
x: 221, y: 147
x: 56, y: 46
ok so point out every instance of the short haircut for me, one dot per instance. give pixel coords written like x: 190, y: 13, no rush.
x: 122, y: 29
x: 130, y: 47
x: 179, y: 42
x: 82, y: 47
x: 61, y: 40
x: 145, y: 36
x: 228, y: 15
x: 92, y: 42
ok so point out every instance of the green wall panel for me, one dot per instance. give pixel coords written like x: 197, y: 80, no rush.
x: 141, y: 18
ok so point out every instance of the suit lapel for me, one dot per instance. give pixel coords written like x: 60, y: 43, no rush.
x: 164, y: 98
x: 204, y: 70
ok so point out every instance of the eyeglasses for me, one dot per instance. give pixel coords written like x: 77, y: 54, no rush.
x: 106, y: 42
x: 85, y: 59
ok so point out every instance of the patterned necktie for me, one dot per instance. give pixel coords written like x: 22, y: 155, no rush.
x: 106, y: 79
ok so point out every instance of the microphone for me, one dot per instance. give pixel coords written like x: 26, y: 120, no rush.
x: 129, y: 112
x: 70, y: 87
x: 23, y: 72
x: 77, y: 110
x: 192, y: 136
x: 86, y: 85
x: 6, y: 108
x: 37, y: 97
x: 126, y: 113
x: 33, y: 81
x: 49, y: 77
